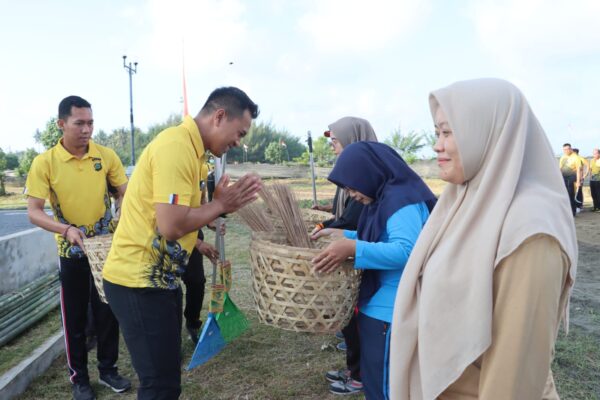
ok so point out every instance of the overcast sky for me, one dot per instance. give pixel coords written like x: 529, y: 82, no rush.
x: 306, y: 63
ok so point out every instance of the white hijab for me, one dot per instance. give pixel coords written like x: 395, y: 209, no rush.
x: 443, y: 312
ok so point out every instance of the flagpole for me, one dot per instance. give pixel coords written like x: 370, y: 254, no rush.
x: 185, y: 100
x: 131, y: 70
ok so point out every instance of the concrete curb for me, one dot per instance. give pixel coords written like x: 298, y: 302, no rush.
x: 15, y: 381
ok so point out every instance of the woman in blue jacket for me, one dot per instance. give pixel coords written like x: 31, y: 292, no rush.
x: 396, y: 206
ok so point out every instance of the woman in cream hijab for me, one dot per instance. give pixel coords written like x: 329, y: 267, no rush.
x: 479, y: 304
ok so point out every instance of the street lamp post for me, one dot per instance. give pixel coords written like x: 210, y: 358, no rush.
x: 131, y: 70
x: 312, y: 167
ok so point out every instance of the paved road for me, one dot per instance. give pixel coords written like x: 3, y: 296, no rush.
x: 12, y: 221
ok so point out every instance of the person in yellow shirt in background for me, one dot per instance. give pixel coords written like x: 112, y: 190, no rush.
x: 595, y: 179
x: 585, y: 169
x: 570, y: 167
x: 74, y: 175
x: 158, y: 228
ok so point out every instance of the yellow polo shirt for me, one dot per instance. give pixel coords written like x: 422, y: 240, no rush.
x: 595, y: 169
x: 584, y: 162
x: 168, y: 171
x: 77, y: 189
x: 569, y: 164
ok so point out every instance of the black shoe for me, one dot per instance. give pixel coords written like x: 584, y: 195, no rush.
x: 116, y: 382
x: 194, y: 332
x: 83, y: 391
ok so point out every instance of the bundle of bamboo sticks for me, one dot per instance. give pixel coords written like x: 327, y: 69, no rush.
x: 255, y: 217
x: 282, y: 202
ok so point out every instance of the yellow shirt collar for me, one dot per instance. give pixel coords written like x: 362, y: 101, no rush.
x: 189, y: 124
x: 93, y: 151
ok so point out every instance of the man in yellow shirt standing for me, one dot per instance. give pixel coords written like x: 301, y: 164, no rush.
x: 160, y: 219
x: 595, y: 179
x: 585, y: 169
x: 74, y: 175
x: 570, y: 167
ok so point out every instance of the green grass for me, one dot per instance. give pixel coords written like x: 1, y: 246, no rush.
x: 576, y: 365
x: 13, y: 199
x: 21, y: 347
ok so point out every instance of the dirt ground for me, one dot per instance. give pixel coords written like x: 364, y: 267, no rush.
x: 585, y: 300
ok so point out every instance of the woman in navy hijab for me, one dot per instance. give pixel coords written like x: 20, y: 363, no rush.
x: 396, y: 206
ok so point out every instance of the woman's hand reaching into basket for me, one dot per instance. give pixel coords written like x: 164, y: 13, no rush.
x: 320, y: 232
x: 333, y: 255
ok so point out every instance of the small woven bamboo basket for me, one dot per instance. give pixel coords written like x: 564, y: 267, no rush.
x: 97, y: 249
x: 288, y: 295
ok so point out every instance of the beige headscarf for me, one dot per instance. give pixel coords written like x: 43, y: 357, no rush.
x: 443, y: 312
x: 348, y: 130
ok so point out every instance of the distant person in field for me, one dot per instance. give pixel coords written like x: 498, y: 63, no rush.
x: 570, y: 167
x: 595, y: 179
x: 77, y: 176
x: 585, y: 169
x: 346, y: 211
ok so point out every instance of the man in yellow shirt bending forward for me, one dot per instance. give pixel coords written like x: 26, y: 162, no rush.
x: 160, y: 219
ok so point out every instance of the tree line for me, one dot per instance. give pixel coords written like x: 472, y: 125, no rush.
x: 264, y: 143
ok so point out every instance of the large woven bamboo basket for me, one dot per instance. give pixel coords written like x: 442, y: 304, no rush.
x: 290, y: 296
x: 97, y: 249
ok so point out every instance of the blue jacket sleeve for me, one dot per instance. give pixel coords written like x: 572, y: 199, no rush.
x: 402, y: 230
x: 350, y: 234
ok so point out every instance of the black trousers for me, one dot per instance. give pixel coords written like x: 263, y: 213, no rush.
x: 194, y: 281
x: 579, y: 197
x: 76, y: 292
x: 570, y: 185
x: 595, y: 189
x: 352, y: 339
x: 150, y: 321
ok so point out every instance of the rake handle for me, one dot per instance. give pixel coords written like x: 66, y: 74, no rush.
x: 219, y: 239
